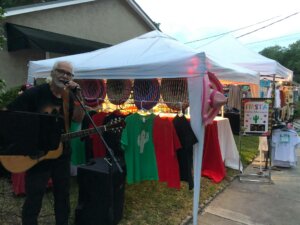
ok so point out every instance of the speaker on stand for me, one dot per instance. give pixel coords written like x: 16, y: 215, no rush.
x: 101, y: 193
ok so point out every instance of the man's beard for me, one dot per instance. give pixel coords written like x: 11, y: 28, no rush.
x: 58, y: 83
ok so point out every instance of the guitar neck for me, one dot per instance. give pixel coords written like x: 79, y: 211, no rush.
x: 82, y: 133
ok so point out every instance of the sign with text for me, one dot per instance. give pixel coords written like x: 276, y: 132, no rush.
x: 256, y: 116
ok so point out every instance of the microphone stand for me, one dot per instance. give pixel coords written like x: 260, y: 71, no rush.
x: 74, y: 93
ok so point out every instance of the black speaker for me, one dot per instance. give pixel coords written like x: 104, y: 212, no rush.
x: 101, y: 194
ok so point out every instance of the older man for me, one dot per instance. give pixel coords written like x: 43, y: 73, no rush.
x: 54, y: 98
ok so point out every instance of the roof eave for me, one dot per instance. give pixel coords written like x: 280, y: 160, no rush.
x: 142, y: 14
x: 41, y: 7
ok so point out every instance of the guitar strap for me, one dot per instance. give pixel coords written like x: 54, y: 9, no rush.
x: 66, y: 98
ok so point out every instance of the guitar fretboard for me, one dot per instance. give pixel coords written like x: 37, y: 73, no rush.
x: 82, y: 133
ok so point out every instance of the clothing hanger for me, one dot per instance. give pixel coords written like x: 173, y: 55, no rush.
x: 180, y: 113
x: 143, y: 111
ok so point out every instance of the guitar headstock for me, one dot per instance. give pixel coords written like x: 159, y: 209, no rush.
x: 116, y: 125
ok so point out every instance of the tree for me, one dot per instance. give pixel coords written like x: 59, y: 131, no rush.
x: 274, y: 52
x: 288, y: 57
x: 2, y: 38
x: 293, y: 59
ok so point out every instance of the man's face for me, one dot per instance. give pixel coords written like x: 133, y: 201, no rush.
x: 62, y: 74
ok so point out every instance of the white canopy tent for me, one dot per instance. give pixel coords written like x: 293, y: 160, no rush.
x: 140, y: 57
x: 152, y: 55
x: 229, y: 49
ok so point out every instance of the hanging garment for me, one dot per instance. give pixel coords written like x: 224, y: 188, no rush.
x: 282, y: 98
x: 269, y: 92
x: 78, y: 148
x: 99, y: 150
x: 185, y: 154
x: 284, y: 143
x: 113, y: 137
x: 87, y: 140
x: 18, y: 183
x: 166, y: 143
x: 212, y: 164
x: 234, y: 97
x: 277, y: 102
x: 137, y: 142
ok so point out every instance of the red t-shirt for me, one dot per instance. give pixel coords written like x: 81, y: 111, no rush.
x: 99, y: 149
x: 166, y: 143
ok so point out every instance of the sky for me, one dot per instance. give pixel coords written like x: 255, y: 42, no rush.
x: 191, y: 20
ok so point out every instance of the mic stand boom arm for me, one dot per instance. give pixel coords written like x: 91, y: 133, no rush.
x: 99, y: 134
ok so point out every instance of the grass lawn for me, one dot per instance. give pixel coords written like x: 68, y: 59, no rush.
x: 146, y: 203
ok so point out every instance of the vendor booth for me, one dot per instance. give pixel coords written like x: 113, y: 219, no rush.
x: 151, y: 56
x: 229, y: 49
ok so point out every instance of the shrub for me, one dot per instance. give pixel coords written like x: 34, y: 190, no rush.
x: 7, y: 96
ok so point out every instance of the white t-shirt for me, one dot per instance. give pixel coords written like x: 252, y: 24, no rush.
x: 284, y: 143
x: 277, y: 103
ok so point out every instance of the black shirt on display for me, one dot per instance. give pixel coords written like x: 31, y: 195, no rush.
x: 113, y: 137
x: 87, y: 140
x: 185, y: 154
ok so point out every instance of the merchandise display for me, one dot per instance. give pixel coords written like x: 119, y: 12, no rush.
x: 93, y: 91
x: 118, y: 91
x: 146, y: 93
x: 174, y: 93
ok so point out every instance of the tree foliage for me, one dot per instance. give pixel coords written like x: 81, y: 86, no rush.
x: 2, y: 39
x: 288, y: 57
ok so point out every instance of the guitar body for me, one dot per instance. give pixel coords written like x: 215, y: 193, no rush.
x: 18, y: 164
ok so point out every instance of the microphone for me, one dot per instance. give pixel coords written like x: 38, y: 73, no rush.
x: 74, y: 89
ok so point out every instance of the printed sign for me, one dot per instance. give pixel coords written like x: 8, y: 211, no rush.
x: 256, y: 116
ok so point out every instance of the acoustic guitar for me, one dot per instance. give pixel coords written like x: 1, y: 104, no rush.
x: 18, y: 164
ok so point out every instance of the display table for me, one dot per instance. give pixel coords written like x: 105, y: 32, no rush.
x: 230, y: 154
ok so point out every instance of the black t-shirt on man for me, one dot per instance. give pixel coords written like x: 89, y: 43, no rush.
x: 40, y: 99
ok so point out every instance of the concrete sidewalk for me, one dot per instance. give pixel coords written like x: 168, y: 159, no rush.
x: 254, y: 203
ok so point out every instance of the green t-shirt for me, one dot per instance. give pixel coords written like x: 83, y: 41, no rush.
x: 77, y: 146
x: 137, y: 142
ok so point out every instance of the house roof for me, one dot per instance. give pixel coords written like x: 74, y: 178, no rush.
x: 62, y: 3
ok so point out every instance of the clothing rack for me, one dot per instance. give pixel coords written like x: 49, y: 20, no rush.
x: 131, y: 101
